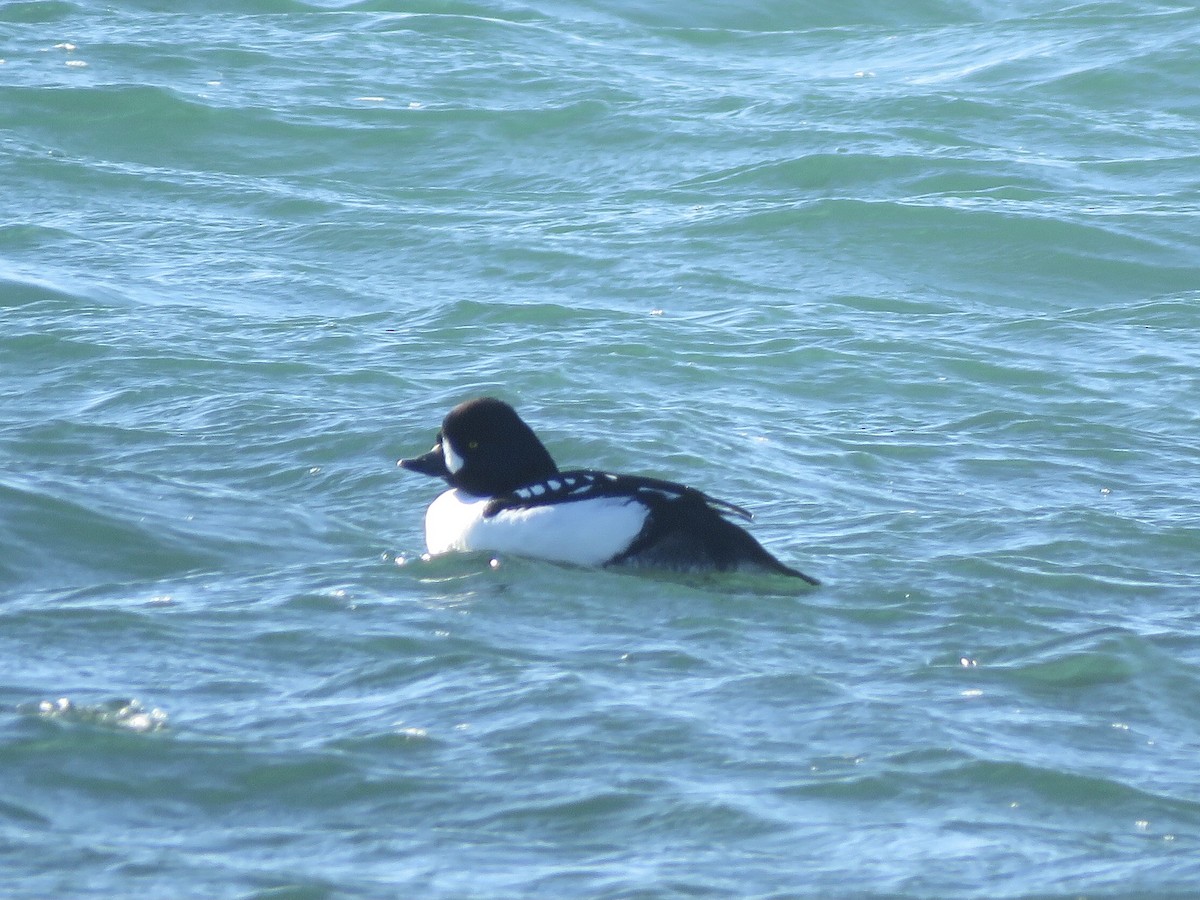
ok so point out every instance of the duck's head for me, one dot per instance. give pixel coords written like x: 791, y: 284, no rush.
x: 485, y: 448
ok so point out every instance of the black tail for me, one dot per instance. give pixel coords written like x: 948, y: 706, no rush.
x: 686, y: 533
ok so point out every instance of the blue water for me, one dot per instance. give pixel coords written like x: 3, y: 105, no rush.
x: 917, y: 283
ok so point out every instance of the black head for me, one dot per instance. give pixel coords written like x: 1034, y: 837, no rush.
x: 485, y: 449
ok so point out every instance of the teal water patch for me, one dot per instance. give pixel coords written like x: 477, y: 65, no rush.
x: 915, y: 285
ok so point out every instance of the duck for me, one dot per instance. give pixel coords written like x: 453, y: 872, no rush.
x: 507, y: 496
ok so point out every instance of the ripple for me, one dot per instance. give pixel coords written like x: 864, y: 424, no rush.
x: 127, y: 714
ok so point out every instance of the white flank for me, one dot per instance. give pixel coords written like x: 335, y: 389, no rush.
x: 582, y: 533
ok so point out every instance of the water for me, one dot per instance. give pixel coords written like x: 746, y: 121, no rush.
x: 915, y: 282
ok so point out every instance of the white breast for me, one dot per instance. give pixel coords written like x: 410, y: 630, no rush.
x: 583, y: 533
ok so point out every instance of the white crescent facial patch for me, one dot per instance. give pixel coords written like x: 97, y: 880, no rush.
x: 454, y: 462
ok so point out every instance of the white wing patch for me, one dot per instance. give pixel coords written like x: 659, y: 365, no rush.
x: 583, y: 533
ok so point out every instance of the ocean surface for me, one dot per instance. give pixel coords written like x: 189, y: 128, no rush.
x: 918, y: 283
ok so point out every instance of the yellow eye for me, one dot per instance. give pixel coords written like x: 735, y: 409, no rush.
x: 472, y: 445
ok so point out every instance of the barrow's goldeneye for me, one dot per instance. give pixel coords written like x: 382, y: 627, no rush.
x: 508, y: 496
